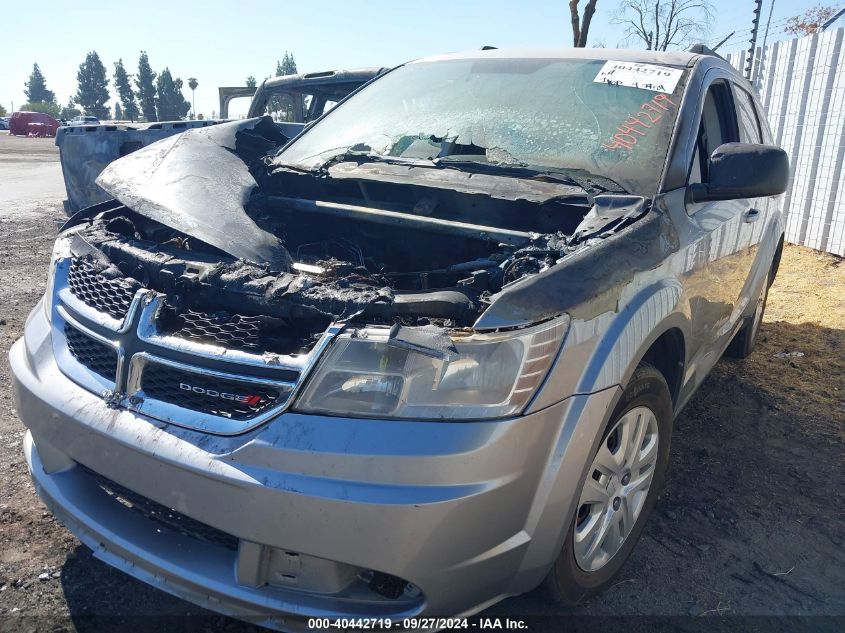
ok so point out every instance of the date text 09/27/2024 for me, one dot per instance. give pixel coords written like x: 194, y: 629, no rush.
x: 406, y: 624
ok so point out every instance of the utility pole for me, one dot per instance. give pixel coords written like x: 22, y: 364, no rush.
x: 758, y: 6
x: 760, y: 66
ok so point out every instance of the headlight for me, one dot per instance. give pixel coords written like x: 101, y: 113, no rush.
x: 61, y: 249
x: 491, y: 376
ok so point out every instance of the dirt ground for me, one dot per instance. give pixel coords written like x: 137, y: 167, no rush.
x: 750, y: 523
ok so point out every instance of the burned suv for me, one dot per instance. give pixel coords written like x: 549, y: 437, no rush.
x: 424, y: 356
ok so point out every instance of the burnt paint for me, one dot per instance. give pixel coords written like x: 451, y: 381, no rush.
x: 197, y: 183
x: 588, y: 282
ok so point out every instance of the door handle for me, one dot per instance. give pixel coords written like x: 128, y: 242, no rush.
x: 752, y: 215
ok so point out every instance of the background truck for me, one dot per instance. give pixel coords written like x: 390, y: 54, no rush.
x: 292, y: 100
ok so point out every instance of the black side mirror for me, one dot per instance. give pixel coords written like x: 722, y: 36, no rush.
x: 743, y: 170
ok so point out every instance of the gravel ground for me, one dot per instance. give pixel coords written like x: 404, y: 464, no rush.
x: 750, y: 523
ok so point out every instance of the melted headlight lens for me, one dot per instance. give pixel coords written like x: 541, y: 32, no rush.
x: 491, y: 376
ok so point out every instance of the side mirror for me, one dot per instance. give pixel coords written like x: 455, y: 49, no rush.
x: 743, y: 170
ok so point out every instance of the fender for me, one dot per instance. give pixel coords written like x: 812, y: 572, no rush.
x: 603, y: 352
x: 617, y: 343
x: 653, y: 311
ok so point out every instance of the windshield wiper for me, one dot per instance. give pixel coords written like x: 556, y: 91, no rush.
x: 591, y: 184
x: 359, y: 153
x: 361, y: 157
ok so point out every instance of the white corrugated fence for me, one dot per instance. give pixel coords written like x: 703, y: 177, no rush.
x: 802, y: 86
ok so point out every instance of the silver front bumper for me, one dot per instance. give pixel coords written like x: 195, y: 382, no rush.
x: 468, y: 512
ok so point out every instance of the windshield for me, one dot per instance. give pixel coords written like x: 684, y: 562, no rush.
x: 548, y: 113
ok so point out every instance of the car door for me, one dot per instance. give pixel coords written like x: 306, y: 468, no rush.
x: 723, y: 238
x: 752, y: 129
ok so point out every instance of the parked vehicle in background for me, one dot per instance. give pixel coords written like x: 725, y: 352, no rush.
x: 84, y: 120
x: 294, y: 100
x: 24, y: 123
x: 4, y: 123
x: 298, y: 98
x: 423, y: 357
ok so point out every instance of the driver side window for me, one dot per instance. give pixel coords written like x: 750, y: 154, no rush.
x: 717, y: 126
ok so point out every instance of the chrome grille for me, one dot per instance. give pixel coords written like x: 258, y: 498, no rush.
x: 231, y: 399
x: 96, y: 356
x: 111, y: 296
x: 142, y: 364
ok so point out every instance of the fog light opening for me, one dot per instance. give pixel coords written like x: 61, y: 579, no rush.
x: 390, y: 587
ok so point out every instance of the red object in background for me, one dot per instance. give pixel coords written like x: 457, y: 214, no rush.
x: 32, y: 124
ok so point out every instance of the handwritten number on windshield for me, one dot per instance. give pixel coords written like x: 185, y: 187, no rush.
x: 638, y: 125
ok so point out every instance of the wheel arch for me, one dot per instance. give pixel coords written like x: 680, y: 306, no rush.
x: 653, y: 327
x: 667, y: 354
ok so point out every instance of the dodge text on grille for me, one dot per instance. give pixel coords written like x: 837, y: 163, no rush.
x: 248, y: 399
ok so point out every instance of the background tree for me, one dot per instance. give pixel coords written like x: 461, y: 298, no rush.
x: 70, y: 110
x: 2, y: 110
x: 47, y: 107
x: 118, y: 112
x: 809, y: 22
x: 192, y: 84
x: 93, y: 92
x: 36, y: 88
x: 660, y: 24
x: 146, y: 88
x: 283, y: 110
x: 170, y: 103
x: 251, y: 82
x: 581, y: 24
x: 125, y: 93
x: 287, y: 66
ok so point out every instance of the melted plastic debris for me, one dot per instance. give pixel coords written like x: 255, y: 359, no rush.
x: 429, y: 340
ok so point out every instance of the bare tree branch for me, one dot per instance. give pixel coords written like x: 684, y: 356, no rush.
x: 675, y: 23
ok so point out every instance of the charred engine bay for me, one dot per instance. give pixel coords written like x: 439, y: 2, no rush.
x: 355, y: 242
x: 382, y: 276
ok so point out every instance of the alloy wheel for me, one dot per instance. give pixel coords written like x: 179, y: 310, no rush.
x: 616, y: 488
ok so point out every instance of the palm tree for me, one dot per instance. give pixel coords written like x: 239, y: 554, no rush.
x: 192, y: 84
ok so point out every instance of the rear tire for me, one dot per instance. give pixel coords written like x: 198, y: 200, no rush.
x: 745, y: 340
x: 568, y: 582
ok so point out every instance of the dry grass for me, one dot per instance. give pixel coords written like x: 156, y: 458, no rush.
x: 805, y: 313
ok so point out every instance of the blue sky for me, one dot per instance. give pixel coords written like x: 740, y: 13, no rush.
x: 221, y: 43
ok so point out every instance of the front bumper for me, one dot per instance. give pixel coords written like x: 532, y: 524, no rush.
x: 468, y: 512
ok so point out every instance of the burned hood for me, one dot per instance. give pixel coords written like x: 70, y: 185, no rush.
x: 199, y: 182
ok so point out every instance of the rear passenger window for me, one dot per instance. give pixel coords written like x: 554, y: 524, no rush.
x: 749, y: 124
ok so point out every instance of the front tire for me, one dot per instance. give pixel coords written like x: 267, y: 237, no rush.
x: 618, y: 492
